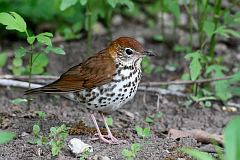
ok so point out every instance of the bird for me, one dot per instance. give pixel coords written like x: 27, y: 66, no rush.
x: 105, y: 81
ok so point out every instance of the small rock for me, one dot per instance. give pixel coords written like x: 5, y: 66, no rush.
x: 99, y: 29
x: 77, y: 146
x: 117, y: 20
x: 24, y: 134
x: 221, y: 48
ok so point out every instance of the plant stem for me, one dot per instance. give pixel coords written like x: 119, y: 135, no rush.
x: 30, y: 75
x: 202, y: 17
x: 109, y: 20
x: 89, y: 34
x: 191, y: 25
x: 217, y: 13
x: 162, y: 20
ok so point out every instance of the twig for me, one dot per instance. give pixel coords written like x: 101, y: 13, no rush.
x: 26, y: 77
x: 15, y: 83
x: 161, y: 91
x: 179, y: 82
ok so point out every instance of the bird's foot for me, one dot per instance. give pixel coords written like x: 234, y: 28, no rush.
x: 110, y: 139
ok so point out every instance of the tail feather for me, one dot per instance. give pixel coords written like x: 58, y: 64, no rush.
x: 34, y: 91
x: 44, y: 89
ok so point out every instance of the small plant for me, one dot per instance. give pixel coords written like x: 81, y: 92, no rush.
x: 56, y: 138
x: 135, y: 147
x: 109, y: 121
x: 85, y: 154
x: 130, y: 154
x: 41, y: 114
x: 6, y: 136
x: 150, y: 119
x: 231, y: 143
x: 37, y: 61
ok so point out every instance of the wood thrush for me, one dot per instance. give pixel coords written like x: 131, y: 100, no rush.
x: 104, y: 82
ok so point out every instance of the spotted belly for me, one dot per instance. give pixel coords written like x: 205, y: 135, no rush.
x: 111, y: 96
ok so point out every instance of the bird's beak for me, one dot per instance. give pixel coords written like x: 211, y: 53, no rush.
x: 149, y: 53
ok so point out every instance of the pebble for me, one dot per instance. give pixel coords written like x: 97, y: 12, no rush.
x: 99, y: 29
x: 77, y: 146
x: 117, y: 20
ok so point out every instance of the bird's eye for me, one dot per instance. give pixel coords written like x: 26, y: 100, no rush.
x: 129, y: 51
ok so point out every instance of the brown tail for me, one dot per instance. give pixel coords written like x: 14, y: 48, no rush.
x: 45, y: 89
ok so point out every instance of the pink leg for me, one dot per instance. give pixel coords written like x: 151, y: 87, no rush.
x: 98, y: 131
x: 110, y: 135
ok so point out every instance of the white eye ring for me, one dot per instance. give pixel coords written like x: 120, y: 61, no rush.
x: 129, y: 51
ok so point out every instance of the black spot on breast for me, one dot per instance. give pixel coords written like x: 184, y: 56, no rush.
x: 120, y: 89
x: 103, y: 105
x: 119, y: 94
x: 101, y: 99
x: 136, y: 79
x: 125, y: 90
x: 91, y: 99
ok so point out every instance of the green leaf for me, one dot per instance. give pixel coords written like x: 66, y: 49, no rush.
x: 17, y: 62
x: 56, y: 50
x: 3, y: 59
x: 195, y: 65
x: 232, y: 139
x: 146, y: 132
x: 41, y: 59
x: 173, y: 6
x: 221, y: 87
x: 36, y: 130
x: 20, y: 52
x: 66, y: 4
x: 13, y: 21
x: 31, y: 39
x: 41, y: 114
x: 109, y: 121
x: 139, y: 131
x: 55, y: 148
x: 113, y: 3
x: 135, y: 147
x: 158, y: 38
x: 149, y: 120
x: 18, y: 70
x: 209, y: 28
x: 18, y: 101
x: 6, y: 136
x: 83, y: 2
x: 127, y: 153
x: 44, y: 38
x: 37, y: 70
x: 128, y: 3
x: 199, y: 155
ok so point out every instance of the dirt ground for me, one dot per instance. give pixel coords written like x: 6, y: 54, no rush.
x: 60, y: 110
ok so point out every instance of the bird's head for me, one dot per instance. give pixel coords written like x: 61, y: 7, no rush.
x: 128, y: 51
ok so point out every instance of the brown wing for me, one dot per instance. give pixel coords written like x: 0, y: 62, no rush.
x: 96, y: 71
